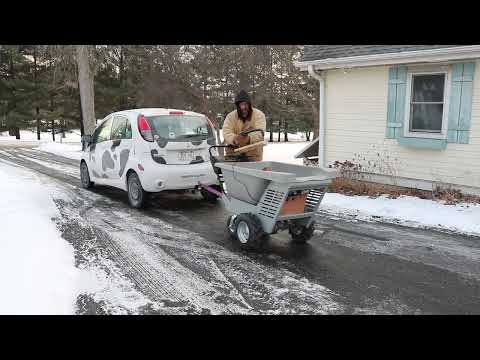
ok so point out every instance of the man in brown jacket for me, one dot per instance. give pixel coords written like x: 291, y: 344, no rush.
x: 244, y: 118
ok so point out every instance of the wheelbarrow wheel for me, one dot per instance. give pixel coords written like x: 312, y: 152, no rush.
x: 247, y: 231
x: 301, y: 234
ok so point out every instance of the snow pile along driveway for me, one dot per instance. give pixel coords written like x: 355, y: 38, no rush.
x: 406, y: 210
x: 37, y: 269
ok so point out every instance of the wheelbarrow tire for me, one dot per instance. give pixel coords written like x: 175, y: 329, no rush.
x: 301, y: 234
x: 208, y: 196
x: 248, y: 231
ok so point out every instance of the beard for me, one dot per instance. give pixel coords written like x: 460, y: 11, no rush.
x: 244, y: 114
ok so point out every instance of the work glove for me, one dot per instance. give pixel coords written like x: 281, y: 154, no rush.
x: 241, y: 140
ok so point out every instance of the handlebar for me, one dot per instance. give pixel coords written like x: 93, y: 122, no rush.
x: 252, y: 130
x: 251, y: 146
x: 240, y: 149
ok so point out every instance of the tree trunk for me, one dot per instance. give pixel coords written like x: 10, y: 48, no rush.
x: 85, y: 83
x: 269, y: 129
x: 37, y: 110
x: 17, y: 132
x: 279, y: 129
x: 122, y: 79
x: 53, y: 130
x: 285, y: 131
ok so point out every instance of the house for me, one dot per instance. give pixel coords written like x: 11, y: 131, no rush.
x: 410, y: 114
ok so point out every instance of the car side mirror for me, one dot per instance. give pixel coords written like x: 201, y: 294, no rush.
x: 87, y: 139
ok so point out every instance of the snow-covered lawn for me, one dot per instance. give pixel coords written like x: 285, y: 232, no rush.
x: 37, y: 269
x: 284, y: 152
x: 406, y: 210
x: 28, y: 136
x: 69, y: 150
x: 37, y: 266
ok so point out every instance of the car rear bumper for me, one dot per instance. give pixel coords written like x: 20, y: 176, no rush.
x: 157, y: 177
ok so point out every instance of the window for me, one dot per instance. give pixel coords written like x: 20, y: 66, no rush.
x: 103, y: 132
x: 119, y: 128
x: 426, y: 114
x: 180, y: 127
x: 128, y: 131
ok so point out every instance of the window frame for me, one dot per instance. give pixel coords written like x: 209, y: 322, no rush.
x: 446, y: 97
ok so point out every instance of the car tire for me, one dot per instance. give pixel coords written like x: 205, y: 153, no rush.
x: 85, y: 176
x: 136, y: 194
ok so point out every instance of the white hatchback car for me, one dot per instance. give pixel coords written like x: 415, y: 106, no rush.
x: 150, y: 150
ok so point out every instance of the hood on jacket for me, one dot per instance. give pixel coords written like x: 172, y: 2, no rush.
x: 243, y: 96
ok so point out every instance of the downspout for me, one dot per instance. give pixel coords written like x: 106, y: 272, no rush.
x: 321, y: 127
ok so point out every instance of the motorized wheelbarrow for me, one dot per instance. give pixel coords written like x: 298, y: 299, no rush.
x: 265, y: 197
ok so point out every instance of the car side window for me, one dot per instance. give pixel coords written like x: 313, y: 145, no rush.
x: 105, y: 130
x: 95, y: 135
x: 119, y: 128
x: 128, y: 130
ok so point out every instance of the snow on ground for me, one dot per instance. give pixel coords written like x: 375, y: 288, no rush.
x: 28, y: 135
x: 37, y: 266
x: 37, y: 269
x: 407, y: 210
x: 284, y: 152
x: 72, y: 150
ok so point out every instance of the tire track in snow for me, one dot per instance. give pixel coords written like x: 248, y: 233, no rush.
x: 193, y: 269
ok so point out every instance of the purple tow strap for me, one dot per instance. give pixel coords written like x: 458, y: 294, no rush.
x: 212, y: 190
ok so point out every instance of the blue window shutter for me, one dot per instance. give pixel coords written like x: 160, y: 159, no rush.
x: 397, y: 79
x: 401, y: 94
x: 460, y: 108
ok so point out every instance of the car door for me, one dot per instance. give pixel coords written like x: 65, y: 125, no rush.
x: 120, y: 146
x: 103, y: 159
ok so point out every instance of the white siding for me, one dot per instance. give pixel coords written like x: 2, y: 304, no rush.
x: 356, y: 107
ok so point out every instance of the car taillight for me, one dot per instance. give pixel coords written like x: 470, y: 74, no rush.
x: 176, y: 112
x: 144, y: 128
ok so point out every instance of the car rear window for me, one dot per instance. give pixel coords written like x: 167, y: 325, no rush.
x: 180, y: 127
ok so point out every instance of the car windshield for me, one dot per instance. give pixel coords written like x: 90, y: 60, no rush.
x: 180, y: 127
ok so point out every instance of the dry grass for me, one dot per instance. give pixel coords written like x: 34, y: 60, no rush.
x: 346, y: 186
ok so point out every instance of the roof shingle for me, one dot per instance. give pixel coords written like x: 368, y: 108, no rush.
x: 319, y: 52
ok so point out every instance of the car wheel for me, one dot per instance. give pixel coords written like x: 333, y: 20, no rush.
x: 136, y: 194
x: 85, y: 176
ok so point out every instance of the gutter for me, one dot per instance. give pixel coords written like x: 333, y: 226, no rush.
x: 322, y: 113
x: 405, y: 57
